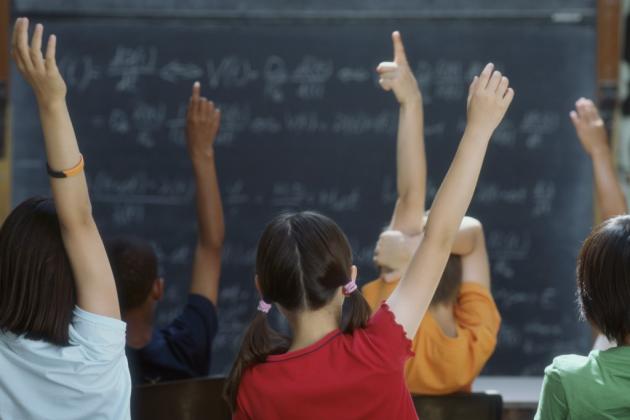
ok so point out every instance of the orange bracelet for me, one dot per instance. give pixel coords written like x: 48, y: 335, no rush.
x: 67, y: 173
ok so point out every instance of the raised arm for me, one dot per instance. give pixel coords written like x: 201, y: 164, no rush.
x: 202, y: 125
x: 489, y: 99
x: 96, y: 290
x: 470, y: 244
x: 411, y: 165
x: 591, y: 131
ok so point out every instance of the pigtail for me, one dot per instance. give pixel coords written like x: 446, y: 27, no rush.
x: 259, y: 341
x: 358, y: 311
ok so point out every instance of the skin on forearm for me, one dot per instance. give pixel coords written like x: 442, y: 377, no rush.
x: 610, y: 197
x: 62, y: 151
x: 411, y: 169
x: 203, y: 121
x: 209, y: 205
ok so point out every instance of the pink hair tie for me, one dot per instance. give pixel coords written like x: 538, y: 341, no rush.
x: 263, y: 306
x: 349, y: 288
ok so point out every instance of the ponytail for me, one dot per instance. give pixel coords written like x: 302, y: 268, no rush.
x: 259, y: 341
x: 359, y: 312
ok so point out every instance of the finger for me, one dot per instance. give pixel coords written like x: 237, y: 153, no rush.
x: 385, y: 84
x: 473, y: 84
x: 196, y: 90
x: 575, y: 119
x: 591, y: 110
x: 22, y: 43
x: 386, y: 66
x: 504, y: 84
x: 493, y: 84
x: 509, y: 95
x: 36, y: 47
x: 216, y: 123
x: 204, y: 108
x: 484, y: 77
x: 51, y: 51
x: 399, y: 48
x: 390, y: 75
x: 580, y: 106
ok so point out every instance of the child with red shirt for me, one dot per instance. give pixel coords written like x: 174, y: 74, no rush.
x: 304, y: 266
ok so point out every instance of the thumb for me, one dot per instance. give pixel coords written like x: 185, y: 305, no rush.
x: 574, y: 118
x: 399, y: 48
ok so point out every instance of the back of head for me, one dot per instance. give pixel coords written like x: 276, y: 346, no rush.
x: 37, y: 290
x: 450, y: 283
x: 135, y: 267
x: 303, y: 259
x: 603, y: 278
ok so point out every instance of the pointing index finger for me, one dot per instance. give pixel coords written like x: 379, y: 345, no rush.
x: 399, y: 48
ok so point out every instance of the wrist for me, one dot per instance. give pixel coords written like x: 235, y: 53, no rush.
x: 600, y: 149
x: 51, y: 104
x: 479, y: 132
x: 201, y: 159
x: 412, y: 101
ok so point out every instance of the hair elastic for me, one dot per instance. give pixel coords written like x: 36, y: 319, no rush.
x: 349, y: 287
x: 66, y: 173
x: 263, y: 306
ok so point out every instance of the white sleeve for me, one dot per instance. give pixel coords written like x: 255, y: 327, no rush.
x: 102, y: 338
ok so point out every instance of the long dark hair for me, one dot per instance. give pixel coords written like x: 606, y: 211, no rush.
x: 603, y: 278
x: 37, y: 292
x: 302, y: 261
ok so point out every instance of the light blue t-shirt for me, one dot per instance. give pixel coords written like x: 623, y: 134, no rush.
x: 89, y: 379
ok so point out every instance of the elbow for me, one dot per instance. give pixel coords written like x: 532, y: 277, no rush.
x: 213, y: 242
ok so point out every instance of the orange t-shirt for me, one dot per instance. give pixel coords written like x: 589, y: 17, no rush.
x: 443, y: 364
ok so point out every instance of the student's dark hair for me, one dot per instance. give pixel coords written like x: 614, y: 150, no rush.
x: 450, y: 283
x: 302, y: 261
x: 37, y: 289
x: 603, y: 278
x: 135, y: 267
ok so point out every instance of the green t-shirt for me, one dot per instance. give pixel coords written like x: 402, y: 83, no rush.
x: 593, y: 387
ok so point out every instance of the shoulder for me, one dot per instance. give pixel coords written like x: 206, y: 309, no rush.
x: 567, y: 367
x: 101, y: 334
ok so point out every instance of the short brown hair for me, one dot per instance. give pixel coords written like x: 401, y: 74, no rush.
x: 37, y: 290
x: 135, y: 267
x: 603, y: 278
x: 448, y: 288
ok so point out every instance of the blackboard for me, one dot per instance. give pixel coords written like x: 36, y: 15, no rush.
x: 312, y: 8
x: 306, y: 126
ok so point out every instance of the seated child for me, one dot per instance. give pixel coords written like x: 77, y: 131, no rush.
x: 597, y: 386
x: 352, y: 368
x: 62, y: 343
x: 459, y: 332
x: 183, y: 348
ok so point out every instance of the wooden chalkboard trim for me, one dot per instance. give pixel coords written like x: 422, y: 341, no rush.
x: 5, y: 139
x: 564, y: 16
x: 608, y: 56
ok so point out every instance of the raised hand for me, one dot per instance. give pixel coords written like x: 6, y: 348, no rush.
x: 489, y: 97
x: 397, y: 76
x: 40, y: 71
x: 589, y: 126
x: 202, y: 125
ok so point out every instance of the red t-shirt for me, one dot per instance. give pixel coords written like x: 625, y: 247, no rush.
x: 342, y: 376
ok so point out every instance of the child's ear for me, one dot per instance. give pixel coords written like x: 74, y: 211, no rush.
x: 157, y: 292
x: 353, y: 273
x: 257, y: 283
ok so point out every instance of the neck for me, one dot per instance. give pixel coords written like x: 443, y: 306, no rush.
x: 311, y: 326
x: 139, y: 327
